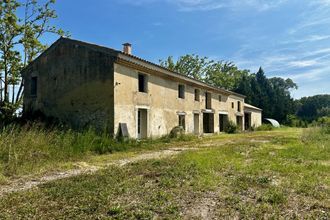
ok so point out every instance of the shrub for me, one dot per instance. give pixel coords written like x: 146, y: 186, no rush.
x: 176, y: 132
x: 231, y: 127
x: 265, y: 127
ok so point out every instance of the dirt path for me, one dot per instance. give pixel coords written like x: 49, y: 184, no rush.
x: 84, y: 168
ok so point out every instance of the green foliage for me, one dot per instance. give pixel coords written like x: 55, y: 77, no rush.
x: 22, y: 26
x: 29, y: 147
x: 231, y: 127
x: 238, y: 176
x: 319, y: 133
x: 265, y: 127
x: 176, y: 132
x: 294, y: 121
x: 313, y: 107
x: 33, y: 147
x: 217, y: 73
x: 270, y: 94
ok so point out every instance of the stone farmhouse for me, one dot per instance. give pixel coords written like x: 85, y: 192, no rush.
x: 85, y: 85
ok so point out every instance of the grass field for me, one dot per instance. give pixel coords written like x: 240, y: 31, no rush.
x: 268, y: 174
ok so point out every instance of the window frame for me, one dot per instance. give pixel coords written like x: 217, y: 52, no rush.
x: 181, y: 91
x: 145, y: 83
x: 197, y: 97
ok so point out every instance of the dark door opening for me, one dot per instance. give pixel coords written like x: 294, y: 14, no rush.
x: 208, y: 122
x: 223, y: 122
x: 142, y: 123
x: 247, y: 121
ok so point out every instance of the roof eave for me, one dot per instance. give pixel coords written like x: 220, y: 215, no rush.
x: 139, y: 61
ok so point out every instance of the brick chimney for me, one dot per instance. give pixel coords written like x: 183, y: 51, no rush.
x: 127, y: 48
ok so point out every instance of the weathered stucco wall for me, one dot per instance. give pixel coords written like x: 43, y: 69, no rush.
x: 162, y: 103
x: 233, y: 106
x: 74, y: 85
x: 87, y: 85
x: 256, y: 117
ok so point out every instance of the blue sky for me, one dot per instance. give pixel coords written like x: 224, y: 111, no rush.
x: 288, y: 38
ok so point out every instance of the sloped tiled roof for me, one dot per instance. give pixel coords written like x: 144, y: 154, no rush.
x: 121, y: 54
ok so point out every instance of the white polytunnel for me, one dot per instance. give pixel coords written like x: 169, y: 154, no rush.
x: 273, y: 122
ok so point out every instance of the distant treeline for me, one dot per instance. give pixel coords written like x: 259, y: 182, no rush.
x: 273, y: 95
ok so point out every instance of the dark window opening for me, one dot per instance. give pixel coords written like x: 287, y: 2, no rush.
x: 238, y: 106
x: 232, y: 104
x: 143, y: 83
x: 181, y: 91
x: 208, y: 100
x: 197, y: 95
x: 219, y: 98
x: 34, y: 85
x: 182, y: 121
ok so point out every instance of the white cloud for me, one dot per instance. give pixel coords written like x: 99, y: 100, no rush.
x: 208, y: 5
x: 302, y: 63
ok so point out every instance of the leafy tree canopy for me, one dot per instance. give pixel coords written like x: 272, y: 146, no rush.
x: 313, y: 107
x: 20, y: 43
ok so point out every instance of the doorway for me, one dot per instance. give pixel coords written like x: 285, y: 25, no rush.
x: 196, y: 123
x: 247, y: 121
x: 208, y: 122
x: 223, y: 122
x: 239, y: 122
x: 142, y: 123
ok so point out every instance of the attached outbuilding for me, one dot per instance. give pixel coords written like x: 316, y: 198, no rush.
x: 252, y: 116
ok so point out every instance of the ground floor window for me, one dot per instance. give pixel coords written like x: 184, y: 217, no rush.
x: 182, y: 121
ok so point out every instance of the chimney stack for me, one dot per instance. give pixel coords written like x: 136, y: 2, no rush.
x: 127, y: 48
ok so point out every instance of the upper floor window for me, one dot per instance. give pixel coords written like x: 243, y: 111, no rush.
x: 181, y: 91
x: 219, y: 98
x: 143, y: 83
x: 208, y: 100
x: 34, y: 85
x: 238, y: 106
x: 232, y: 105
x: 197, y: 95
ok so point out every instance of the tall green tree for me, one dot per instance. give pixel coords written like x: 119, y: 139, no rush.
x: 313, y: 107
x: 190, y: 65
x: 20, y: 43
x: 221, y: 74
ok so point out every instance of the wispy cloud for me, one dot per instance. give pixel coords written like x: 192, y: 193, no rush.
x: 302, y: 63
x: 209, y: 5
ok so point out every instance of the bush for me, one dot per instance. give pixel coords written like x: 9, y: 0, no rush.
x: 265, y: 127
x: 176, y: 132
x: 231, y: 128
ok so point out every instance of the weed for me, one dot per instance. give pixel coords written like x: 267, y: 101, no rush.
x: 265, y: 127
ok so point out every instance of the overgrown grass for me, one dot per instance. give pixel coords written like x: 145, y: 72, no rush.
x: 262, y: 175
x: 265, y: 127
x: 35, y: 149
